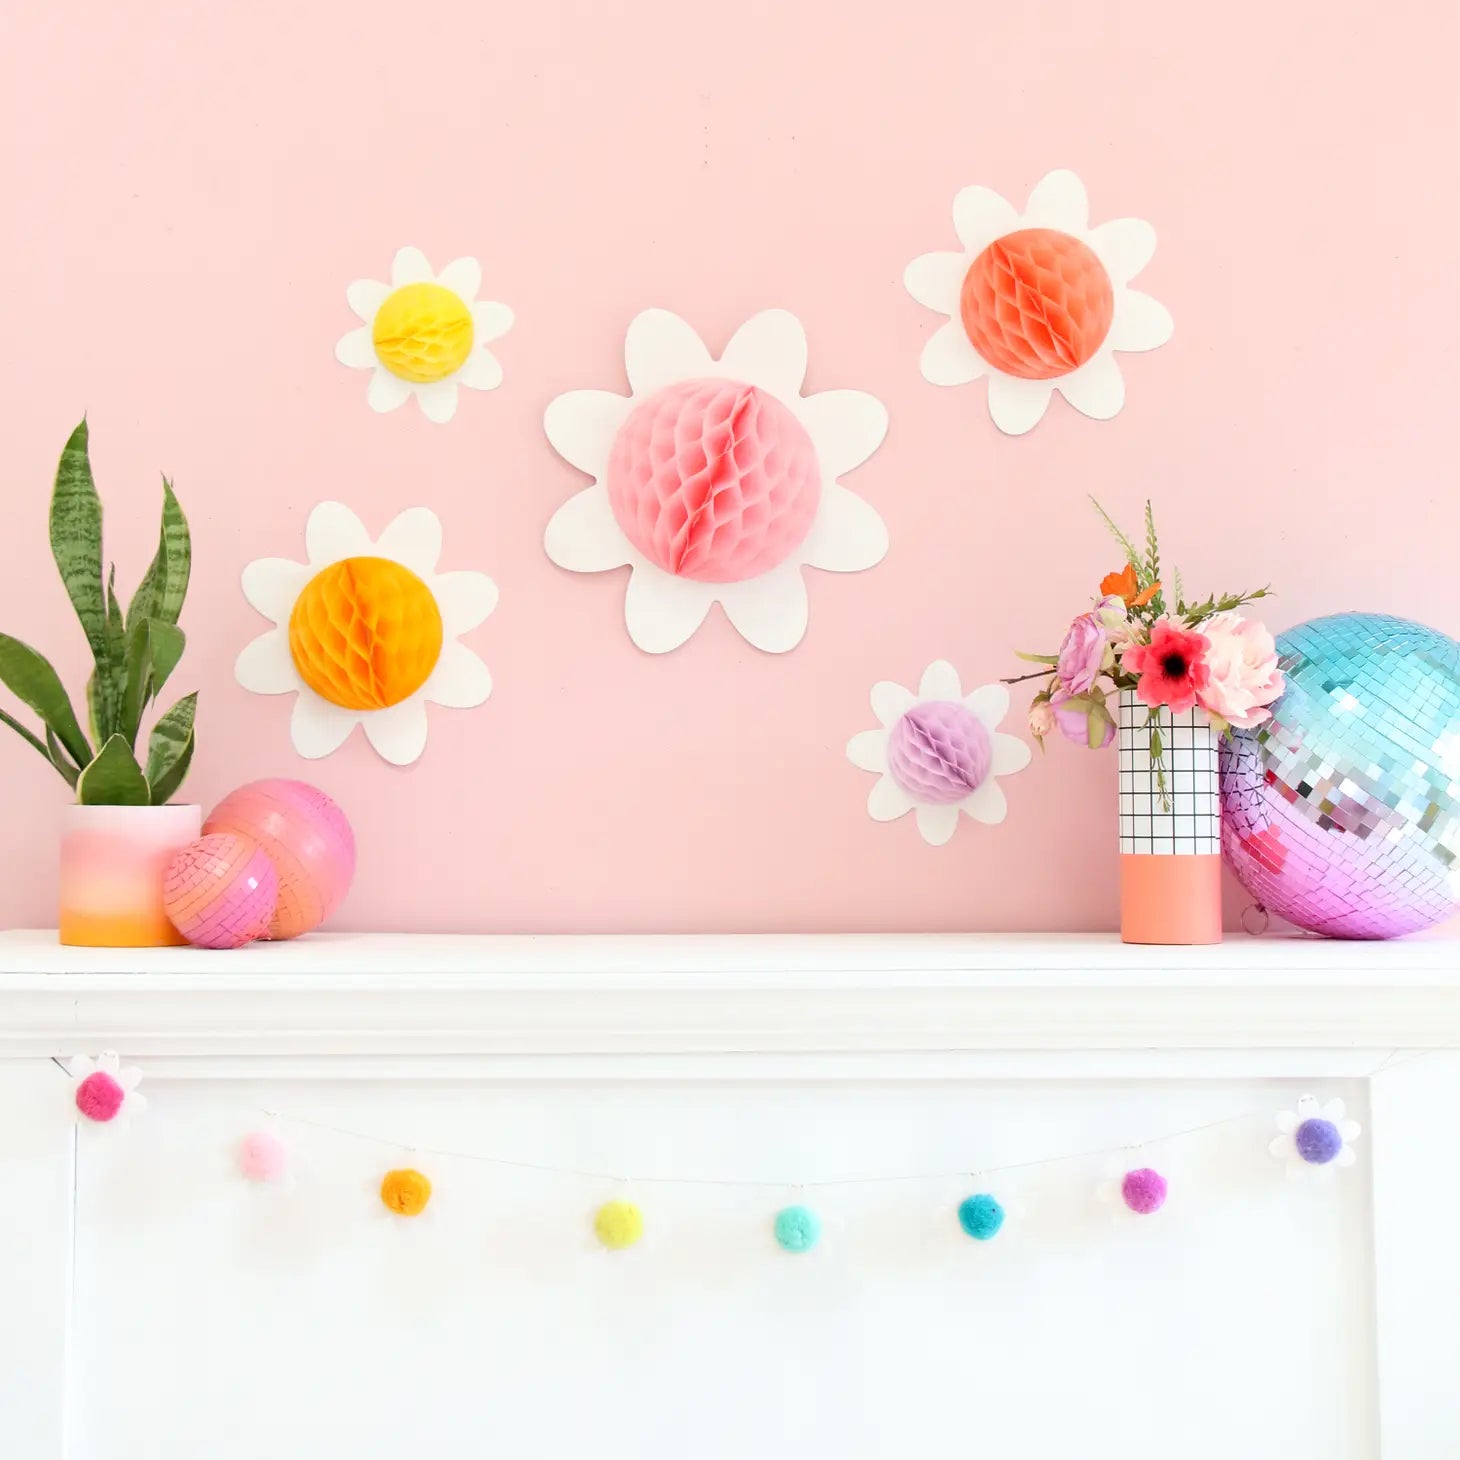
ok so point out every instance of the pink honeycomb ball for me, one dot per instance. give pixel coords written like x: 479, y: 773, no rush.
x: 307, y: 838
x: 714, y: 480
x: 939, y: 752
x: 220, y: 890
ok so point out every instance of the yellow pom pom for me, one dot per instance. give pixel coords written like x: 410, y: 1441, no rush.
x: 423, y: 332
x: 618, y: 1224
x: 405, y: 1192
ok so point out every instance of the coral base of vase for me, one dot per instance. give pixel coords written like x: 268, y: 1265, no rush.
x: 1176, y: 900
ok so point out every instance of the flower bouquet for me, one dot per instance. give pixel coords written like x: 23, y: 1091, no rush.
x: 1180, y: 674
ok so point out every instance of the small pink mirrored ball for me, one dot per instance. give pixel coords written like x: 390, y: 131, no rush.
x: 262, y: 1156
x: 220, y: 891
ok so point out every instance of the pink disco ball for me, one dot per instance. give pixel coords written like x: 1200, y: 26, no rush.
x: 220, y: 891
x: 307, y: 838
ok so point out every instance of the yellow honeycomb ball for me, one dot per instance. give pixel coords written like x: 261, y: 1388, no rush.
x: 619, y: 1224
x: 365, y: 633
x: 405, y: 1192
x: 423, y: 332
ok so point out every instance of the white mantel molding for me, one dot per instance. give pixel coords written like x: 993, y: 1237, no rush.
x: 417, y: 995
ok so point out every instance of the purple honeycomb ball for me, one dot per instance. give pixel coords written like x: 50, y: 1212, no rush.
x: 939, y: 752
x: 1144, y: 1191
x: 1318, y: 1141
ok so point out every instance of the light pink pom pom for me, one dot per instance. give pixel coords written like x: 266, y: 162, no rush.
x: 262, y: 1156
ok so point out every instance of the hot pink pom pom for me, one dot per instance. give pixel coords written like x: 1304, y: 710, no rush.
x: 1144, y: 1191
x: 262, y: 1156
x: 99, y: 1096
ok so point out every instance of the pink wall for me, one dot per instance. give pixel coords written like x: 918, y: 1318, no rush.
x: 187, y: 197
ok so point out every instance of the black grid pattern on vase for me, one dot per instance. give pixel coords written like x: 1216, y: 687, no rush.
x: 1192, y: 824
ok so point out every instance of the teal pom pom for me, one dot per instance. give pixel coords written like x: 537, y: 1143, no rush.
x: 981, y: 1217
x: 798, y: 1229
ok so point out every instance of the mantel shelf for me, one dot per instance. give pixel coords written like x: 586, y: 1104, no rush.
x: 382, y: 994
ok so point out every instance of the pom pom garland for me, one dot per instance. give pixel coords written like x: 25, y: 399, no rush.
x: 981, y: 1217
x: 1143, y: 1191
x: 262, y: 1157
x: 99, y: 1097
x: 1318, y: 1141
x: 797, y: 1229
x: 618, y: 1225
x: 405, y: 1192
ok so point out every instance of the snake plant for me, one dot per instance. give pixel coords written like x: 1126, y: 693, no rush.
x: 134, y: 653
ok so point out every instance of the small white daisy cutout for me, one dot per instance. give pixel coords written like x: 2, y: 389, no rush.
x: 938, y: 752
x: 424, y: 334
x: 366, y: 633
x: 1315, y: 1135
x: 715, y: 481
x: 104, y: 1092
x: 1038, y: 301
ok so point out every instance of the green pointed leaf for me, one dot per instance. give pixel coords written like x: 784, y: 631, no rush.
x: 60, y: 759
x: 116, y: 655
x: 29, y: 677
x: 1037, y: 658
x: 1095, y: 724
x: 114, y: 778
x: 169, y: 748
x: 165, y: 584
x: 166, y: 785
x: 76, y: 547
x: 153, y: 650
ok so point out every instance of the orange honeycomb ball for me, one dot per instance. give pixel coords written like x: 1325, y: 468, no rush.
x: 1037, y: 303
x: 365, y: 633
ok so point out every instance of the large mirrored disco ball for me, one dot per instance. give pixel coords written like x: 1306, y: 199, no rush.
x: 1342, y: 813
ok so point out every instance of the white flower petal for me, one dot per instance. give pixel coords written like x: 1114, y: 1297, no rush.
x: 988, y: 804
x: 272, y: 584
x: 887, y: 801
x: 110, y: 1062
x: 265, y: 666
x: 465, y: 600
x: 357, y: 350
x: 936, y: 280
x: 1141, y: 323
x: 129, y: 1079
x: 582, y: 424
x: 1282, y: 1146
x: 334, y: 532
x: 438, y: 399
x: 1287, y: 1121
x: 459, y: 681
x: 1308, y: 1108
x: 980, y: 215
x: 319, y: 728
x: 937, y: 823
x: 1017, y: 405
x: 847, y: 536
x: 413, y: 538
x: 1010, y: 755
x: 846, y: 427
x: 584, y: 536
x: 387, y: 392
x: 491, y: 319
x: 1096, y: 389
x: 867, y: 750
x: 770, y: 611
x: 990, y: 702
x: 940, y: 682
x: 949, y: 357
x: 410, y: 266
x: 482, y: 371
x: 662, y: 611
x: 399, y: 733
x: 1125, y: 246
x: 80, y: 1066
x: 365, y: 296
x: 1058, y: 201
x: 1350, y: 1130
x: 1346, y: 1157
x: 661, y: 348
x: 463, y: 277
x: 1333, y: 1110
x: 768, y: 350
x: 136, y: 1103
x: 890, y: 701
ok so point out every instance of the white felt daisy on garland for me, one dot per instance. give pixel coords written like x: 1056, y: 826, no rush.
x: 938, y: 752
x: 424, y: 334
x: 366, y: 633
x: 716, y: 481
x: 1315, y: 1135
x: 1038, y: 301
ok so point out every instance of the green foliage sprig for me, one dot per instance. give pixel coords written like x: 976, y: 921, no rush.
x: 133, y: 653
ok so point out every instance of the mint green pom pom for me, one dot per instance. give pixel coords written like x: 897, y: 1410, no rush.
x: 981, y: 1217
x: 798, y: 1229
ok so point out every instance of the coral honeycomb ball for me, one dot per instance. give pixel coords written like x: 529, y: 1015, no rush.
x: 307, y: 838
x: 1037, y: 303
x: 220, y: 891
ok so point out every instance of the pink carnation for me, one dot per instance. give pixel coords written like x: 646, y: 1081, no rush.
x: 1081, y: 654
x: 1243, y: 677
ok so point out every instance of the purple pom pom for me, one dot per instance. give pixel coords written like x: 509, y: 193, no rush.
x: 939, y: 752
x: 1144, y: 1191
x: 1318, y: 1141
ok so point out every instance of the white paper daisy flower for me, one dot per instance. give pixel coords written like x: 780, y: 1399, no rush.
x: 424, y: 334
x: 938, y: 752
x: 1038, y: 301
x: 716, y: 481
x: 366, y: 633
x: 1315, y: 1135
x: 104, y: 1092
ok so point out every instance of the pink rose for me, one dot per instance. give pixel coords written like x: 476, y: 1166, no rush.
x: 1243, y: 677
x: 1081, y: 654
x: 1073, y: 721
x: 1041, y: 719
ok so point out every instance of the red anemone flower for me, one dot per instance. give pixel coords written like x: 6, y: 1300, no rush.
x: 1172, y: 667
